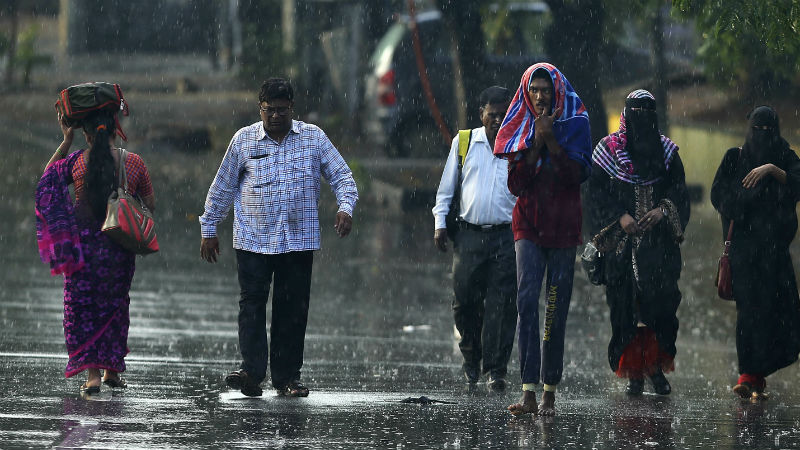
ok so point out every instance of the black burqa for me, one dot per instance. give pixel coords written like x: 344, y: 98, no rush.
x: 765, y: 223
x: 654, y: 298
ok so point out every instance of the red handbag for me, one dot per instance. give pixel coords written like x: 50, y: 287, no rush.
x: 723, y: 281
x: 128, y: 222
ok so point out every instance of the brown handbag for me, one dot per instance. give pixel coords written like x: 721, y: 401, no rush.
x: 128, y: 222
x: 723, y: 281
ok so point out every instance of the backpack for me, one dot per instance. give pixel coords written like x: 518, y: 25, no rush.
x: 451, y: 220
x: 76, y: 102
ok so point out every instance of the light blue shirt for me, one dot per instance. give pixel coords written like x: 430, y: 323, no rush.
x: 274, y: 188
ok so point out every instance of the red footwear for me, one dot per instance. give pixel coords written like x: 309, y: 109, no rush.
x: 750, y: 385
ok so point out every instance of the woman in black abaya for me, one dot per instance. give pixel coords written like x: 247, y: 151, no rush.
x: 638, y: 192
x: 758, y: 187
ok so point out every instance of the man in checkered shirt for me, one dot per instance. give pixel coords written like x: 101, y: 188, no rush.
x: 271, y: 174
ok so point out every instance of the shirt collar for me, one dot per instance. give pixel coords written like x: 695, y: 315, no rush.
x: 262, y: 134
x: 479, y: 134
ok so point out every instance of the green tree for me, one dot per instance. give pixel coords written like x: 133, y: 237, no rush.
x: 749, y: 44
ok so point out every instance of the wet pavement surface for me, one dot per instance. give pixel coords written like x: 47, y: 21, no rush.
x: 380, y: 330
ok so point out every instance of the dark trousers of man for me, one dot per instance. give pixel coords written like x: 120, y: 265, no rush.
x: 485, y: 310
x: 290, y: 297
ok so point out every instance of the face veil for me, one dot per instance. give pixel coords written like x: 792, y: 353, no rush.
x: 763, y: 141
x: 643, y: 138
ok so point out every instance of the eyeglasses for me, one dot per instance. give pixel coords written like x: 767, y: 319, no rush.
x: 281, y: 110
x: 762, y: 127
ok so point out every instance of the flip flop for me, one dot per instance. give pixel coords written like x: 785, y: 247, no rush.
x: 116, y: 383
x: 89, y: 390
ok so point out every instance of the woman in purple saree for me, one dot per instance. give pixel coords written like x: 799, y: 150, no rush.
x: 97, y: 272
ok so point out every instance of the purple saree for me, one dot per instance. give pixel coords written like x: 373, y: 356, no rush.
x: 97, y: 274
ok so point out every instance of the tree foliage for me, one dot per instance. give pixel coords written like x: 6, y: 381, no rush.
x: 750, y: 43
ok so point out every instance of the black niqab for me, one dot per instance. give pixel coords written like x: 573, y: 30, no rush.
x: 763, y: 142
x: 643, y: 138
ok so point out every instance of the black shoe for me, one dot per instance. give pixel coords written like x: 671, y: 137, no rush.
x: 238, y: 379
x: 496, y: 383
x: 660, y: 383
x: 635, y: 386
x: 471, y: 373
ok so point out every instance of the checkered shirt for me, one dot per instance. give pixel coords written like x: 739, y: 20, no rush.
x: 274, y: 188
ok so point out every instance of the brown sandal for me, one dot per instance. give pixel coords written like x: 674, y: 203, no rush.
x: 293, y: 389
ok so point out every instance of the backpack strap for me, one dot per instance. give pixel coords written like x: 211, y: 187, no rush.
x: 464, y: 139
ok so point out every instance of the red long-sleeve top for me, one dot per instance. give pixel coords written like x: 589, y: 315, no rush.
x: 548, y: 208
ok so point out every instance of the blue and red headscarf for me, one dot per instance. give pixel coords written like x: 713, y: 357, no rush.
x: 571, y: 125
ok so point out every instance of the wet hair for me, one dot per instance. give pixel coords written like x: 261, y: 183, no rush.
x: 542, y: 73
x: 276, y: 88
x: 494, y: 95
x: 101, y: 179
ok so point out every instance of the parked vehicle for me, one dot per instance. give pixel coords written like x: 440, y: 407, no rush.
x: 397, y: 115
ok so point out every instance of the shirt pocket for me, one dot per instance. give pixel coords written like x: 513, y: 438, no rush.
x: 262, y: 170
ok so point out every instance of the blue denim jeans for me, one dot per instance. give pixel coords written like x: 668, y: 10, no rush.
x: 543, y: 360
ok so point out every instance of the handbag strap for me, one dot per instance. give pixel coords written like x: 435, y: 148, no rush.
x: 123, y: 177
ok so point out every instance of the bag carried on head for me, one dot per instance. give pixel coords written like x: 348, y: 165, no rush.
x: 128, y: 222
x: 724, y: 281
x: 76, y: 102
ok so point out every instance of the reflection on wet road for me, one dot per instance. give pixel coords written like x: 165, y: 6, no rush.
x: 380, y: 330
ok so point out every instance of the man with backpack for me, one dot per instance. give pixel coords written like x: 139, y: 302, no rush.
x: 473, y: 208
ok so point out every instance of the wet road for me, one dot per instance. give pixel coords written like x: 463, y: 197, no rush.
x: 361, y: 355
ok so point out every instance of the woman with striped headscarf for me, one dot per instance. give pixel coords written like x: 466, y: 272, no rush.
x: 638, y: 192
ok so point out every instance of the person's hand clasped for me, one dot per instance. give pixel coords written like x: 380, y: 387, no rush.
x: 650, y: 219
x: 751, y: 179
x: 344, y: 223
x: 209, y: 249
x: 440, y: 239
x: 629, y: 224
x: 543, y: 125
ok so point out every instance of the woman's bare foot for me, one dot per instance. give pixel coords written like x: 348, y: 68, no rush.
x: 94, y: 378
x: 548, y: 407
x: 110, y: 375
x: 526, y: 405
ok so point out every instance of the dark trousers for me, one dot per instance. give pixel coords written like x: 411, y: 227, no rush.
x: 533, y: 261
x: 484, y: 308
x: 290, y: 297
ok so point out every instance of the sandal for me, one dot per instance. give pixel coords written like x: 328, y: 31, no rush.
x: 293, y: 389
x: 89, y: 390
x: 743, y: 389
x: 116, y: 383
